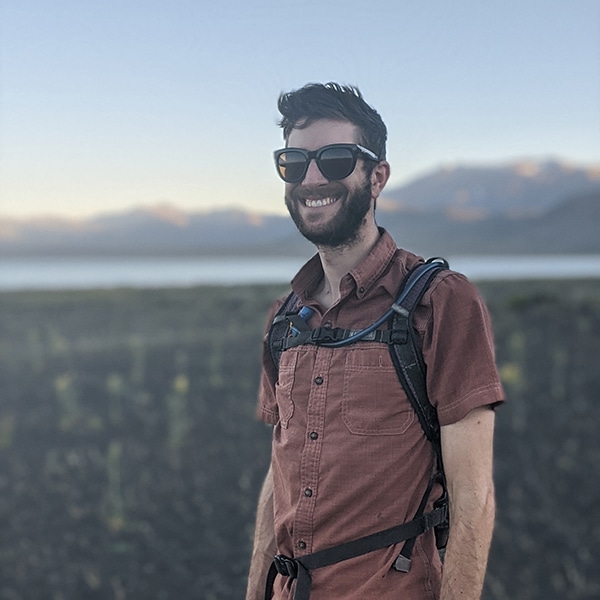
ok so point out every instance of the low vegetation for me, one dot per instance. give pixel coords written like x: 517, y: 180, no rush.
x: 130, y: 459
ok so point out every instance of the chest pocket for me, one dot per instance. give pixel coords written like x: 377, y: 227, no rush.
x: 374, y: 402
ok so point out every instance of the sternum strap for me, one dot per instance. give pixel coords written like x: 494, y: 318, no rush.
x: 325, y: 335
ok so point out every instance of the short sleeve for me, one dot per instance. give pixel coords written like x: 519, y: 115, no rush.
x: 458, y: 349
x: 266, y: 409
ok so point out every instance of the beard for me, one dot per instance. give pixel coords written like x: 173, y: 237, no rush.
x: 343, y: 229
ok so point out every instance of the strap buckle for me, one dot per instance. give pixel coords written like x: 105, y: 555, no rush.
x: 286, y: 566
x: 402, y: 564
x: 326, y: 335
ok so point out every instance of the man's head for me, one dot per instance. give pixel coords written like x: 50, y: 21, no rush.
x: 333, y: 163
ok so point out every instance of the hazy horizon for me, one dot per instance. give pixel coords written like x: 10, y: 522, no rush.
x: 166, y: 206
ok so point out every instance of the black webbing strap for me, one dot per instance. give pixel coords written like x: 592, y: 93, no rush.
x: 403, y: 561
x: 408, y: 362
x: 406, y: 355
x: 328, y: 335
x: 300, y: 568
x: 280, y: 327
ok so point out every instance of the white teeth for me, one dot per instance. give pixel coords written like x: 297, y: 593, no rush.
x: 320, y: 202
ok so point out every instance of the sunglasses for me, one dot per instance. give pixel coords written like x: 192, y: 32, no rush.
x: 335, y: 161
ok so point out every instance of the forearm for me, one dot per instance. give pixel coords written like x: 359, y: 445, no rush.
x: 467, y: 449
x: 472, y: 523
x: 264, y: 542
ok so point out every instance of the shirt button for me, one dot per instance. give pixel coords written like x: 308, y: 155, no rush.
x: 302, y: 545
x: 308, y: 492
x: 313, y: 435
x: 318, y: 380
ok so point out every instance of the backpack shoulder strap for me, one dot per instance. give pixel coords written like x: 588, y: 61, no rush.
x: 406, y: 353
x: 408, y: 360
x: 278, y: 330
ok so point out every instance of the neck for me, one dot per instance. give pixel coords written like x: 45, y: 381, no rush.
x: 338, y: 262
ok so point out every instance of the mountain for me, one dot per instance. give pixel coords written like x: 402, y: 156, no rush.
x: 522, y: 208
x: 156, y: 230
x: 515, y: 190
x: 572, y: 226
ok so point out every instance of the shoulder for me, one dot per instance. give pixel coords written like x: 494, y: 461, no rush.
x: 451, y: 285
x: 447, y: 283
x: 453, y: 298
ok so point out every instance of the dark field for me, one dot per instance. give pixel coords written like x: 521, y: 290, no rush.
x: 130, y: 460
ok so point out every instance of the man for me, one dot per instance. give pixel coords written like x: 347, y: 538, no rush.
x: 349, y: 457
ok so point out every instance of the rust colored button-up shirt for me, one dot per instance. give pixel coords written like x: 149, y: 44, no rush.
x: 349, y: 457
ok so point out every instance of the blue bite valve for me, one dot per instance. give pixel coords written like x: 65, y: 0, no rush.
x: 306, y: 313
x: 298, y: 322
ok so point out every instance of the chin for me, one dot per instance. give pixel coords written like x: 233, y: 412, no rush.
x: 343, y: 227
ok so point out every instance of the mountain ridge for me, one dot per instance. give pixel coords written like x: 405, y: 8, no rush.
x: 518, y: 189
x: 524, y: 207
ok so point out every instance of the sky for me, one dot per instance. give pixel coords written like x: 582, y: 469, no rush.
x: 107, y: 106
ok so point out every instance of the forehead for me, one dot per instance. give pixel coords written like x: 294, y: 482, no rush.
x: 322, y: 132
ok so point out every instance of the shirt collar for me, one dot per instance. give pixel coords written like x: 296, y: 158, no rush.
x: 308, y: 277
x: 364, y: 275
x: 370, y: 270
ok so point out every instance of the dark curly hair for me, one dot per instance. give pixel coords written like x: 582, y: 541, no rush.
x: 314, y: 101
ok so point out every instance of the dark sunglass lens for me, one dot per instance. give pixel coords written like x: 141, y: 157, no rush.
x: 291, y: 165
x: 337, y: 163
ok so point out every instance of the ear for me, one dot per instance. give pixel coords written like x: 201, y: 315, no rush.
x: 379, y: 177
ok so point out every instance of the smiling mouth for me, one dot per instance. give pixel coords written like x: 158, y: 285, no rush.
x: 316, y: 203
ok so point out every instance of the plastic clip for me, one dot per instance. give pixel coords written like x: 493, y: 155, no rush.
x: 402, y: 564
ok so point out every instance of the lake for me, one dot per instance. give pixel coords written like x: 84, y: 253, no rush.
x: 88, y: 273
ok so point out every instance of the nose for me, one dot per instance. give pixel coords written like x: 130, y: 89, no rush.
x: 313, y: 175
